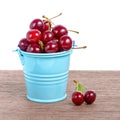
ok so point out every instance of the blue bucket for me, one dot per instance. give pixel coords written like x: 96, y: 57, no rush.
x: 46, y: 75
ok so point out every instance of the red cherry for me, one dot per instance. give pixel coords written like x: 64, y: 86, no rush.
x: 51, y: 47
x: 59, y: 30
x: 90, y: 96
x: 65, y: 42
x: 47, y: 36
x: 34, y: 48
x: 37, y: 24
x: 77, y: 98
x: 33, y: 36
x: 23, y: 44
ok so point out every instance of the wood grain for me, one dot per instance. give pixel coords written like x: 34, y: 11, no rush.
x: 15, y: 106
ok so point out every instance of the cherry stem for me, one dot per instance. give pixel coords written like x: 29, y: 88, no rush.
x: 75, y: 81
x: 56, y: 16
x: 48, y: 19
x: 74, y: 31
x: 79, y: 86
x: 41, y: 45
x: 80, y: 47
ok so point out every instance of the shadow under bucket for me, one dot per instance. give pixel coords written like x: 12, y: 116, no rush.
x: 46, y: 75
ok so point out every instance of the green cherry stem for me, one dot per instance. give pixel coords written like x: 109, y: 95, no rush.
x: 79, y: 86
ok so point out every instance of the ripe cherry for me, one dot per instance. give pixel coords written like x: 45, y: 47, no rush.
x: 59, y: 30
x: 77, y: 98
x: 65, y: 42
x: 47, y: 36
x: 37, y: 24
x: 90, y: 96
x: 23, y: 44
x: 51, y: 47
x: 33, y: 36
x: 34, y: 48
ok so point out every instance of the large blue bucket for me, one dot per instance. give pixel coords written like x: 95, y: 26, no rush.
x: 46, y: 75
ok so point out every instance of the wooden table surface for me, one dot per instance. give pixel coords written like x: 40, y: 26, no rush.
x: 15, y: 106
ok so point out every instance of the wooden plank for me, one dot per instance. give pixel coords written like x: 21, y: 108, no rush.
x: 15, y: 106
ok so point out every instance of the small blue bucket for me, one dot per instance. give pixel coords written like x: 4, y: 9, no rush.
x: 46, y: 75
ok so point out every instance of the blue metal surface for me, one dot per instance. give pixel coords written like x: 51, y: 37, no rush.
x: 46, y: 75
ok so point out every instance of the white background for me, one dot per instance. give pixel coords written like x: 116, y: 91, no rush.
x: 98, y: 22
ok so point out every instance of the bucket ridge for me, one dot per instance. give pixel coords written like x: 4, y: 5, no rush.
x: 46, y: 79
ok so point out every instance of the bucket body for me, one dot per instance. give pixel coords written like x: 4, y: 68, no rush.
x: 46, y: 75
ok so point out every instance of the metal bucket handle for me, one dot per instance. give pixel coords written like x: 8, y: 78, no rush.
x: 20, y: 56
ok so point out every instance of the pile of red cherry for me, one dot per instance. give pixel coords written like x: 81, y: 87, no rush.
x: 43, y: 37
x: 79, y: 97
